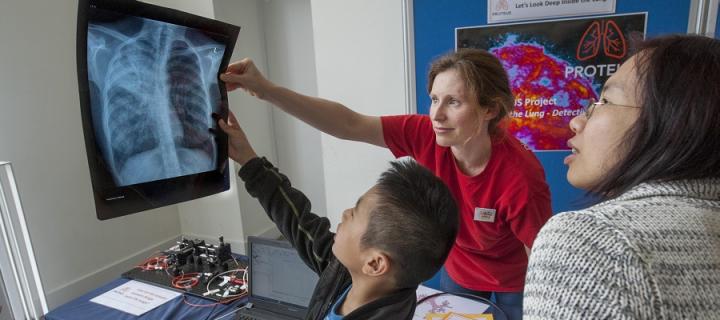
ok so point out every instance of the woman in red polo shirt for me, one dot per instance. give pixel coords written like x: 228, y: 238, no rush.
x: 499, y: 185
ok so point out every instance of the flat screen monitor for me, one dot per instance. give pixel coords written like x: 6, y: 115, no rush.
x: 148, y: 79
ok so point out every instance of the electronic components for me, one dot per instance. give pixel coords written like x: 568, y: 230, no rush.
x: 196, y: 267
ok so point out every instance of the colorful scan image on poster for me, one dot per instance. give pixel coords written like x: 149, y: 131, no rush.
x: 555, y: 68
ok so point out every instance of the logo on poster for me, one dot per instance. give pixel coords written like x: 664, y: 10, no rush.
x: 607, y: 35
x: 501, y: 8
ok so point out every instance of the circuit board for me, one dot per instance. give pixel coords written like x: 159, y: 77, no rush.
x: 194, y: 267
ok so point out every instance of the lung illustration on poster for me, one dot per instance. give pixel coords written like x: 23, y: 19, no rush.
x: 555, y: 68
x: 153, y: 89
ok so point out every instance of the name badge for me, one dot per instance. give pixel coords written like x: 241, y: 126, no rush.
x: 484, y: 215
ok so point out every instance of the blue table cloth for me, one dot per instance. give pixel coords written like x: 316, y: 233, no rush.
x: 81, y: 308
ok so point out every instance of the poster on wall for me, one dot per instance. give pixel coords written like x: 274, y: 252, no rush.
x: 555, y: 68
x: 517, y: 10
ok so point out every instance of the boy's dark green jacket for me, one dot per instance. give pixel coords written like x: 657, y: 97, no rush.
x: 311, y: 236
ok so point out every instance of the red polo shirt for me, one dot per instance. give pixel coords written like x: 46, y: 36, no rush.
x: 501, y: 209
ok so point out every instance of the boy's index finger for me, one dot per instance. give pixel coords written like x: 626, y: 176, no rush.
x: 230, y: 78
x: 224, y: 126
x: 237, y: 66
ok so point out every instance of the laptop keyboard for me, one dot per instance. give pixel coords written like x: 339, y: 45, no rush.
x: 264, y: 315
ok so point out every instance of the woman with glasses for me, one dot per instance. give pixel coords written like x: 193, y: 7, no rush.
x: 650, y: 149
x: 499, y: 185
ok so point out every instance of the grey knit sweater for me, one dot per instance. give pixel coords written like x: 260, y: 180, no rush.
x: 652, y: 253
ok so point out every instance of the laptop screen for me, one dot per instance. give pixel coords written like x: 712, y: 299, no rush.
x: 278, y: 274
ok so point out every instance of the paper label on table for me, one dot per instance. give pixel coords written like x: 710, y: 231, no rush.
x: 135, y: 297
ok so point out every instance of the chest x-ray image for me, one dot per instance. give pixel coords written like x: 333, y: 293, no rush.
x: 153, y: 87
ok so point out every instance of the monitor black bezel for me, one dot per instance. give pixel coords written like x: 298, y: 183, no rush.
x: 111, y: 200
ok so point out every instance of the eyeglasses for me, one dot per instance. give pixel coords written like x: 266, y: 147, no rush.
x: 593, y: 104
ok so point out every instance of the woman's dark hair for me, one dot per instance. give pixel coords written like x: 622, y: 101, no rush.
x: 484, y: 77
x: 677, y: 134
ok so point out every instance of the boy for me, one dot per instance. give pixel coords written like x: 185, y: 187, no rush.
x: 397, y: 235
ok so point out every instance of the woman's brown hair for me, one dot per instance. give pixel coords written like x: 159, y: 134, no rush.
x: 484, y: 77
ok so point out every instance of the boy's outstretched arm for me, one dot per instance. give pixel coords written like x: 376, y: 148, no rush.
x: 285, y: 205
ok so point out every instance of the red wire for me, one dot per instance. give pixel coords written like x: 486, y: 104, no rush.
x: 151, y: 263
x: 192, y: 277
x: 178, y: 282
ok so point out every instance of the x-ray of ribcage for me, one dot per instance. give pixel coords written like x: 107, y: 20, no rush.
x: 153, y: 88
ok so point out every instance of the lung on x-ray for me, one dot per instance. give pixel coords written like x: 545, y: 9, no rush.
x: 149, y: 85
x: 152, y: 87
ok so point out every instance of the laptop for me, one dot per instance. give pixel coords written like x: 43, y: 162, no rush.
x: 281, y: 285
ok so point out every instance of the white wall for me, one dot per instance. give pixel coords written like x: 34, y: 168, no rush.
x: 359, y: 59
x: 277, y: 35
x: 350, y: 51
x: 41, y: 133
x: 199, y: 7
x: 254, y: 115
x: 291, y: 63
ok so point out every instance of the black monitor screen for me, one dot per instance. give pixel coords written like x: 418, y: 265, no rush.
x: 149, y: 85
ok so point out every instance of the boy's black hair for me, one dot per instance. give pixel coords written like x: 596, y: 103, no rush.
x: 415, y: 221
